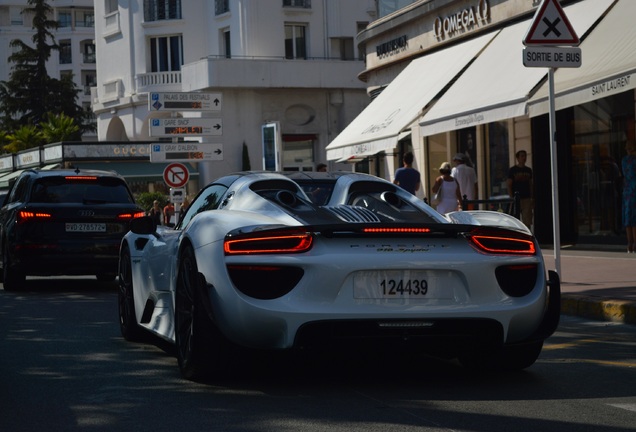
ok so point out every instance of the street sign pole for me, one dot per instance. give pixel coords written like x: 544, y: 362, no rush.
x: 555, y: 175
x: 549, y: 30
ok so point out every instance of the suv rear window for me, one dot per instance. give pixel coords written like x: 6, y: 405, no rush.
x: 100, y: 190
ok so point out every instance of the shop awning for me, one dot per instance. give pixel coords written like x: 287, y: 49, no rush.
x: 497, y: 85
x: 5, y: 180
x: 608, y: 64
x: 401, y: 103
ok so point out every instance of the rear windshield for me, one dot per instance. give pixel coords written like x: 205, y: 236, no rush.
x: 318, y: 191
x: 104, y: 190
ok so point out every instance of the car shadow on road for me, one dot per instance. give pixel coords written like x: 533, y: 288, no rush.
x: 68, y: 284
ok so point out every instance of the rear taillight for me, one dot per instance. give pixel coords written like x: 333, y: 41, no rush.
x: 502, y: 244
x: 127, y: 216
x: 26, y: 216
x: 80, y: 178
x: 396, y: 230
x: 269, y: 242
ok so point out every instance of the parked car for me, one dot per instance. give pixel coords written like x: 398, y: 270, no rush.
x: 64, y: 222
x: 255, y: 263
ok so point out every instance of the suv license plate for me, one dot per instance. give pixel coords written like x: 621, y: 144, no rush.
x: 85, y: 227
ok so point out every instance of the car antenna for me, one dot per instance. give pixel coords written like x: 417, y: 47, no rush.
x: 77, y: 170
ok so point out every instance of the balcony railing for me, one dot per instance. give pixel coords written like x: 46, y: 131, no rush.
x: 297, y: 3
x: 158, y: 10
x: 89, y: 58
x: 158, y: 80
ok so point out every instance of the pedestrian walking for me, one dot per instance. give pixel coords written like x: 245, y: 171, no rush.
x: 156, y: 213
x: 447, y: 190
x: 466, y: 177
x: 407, y: 177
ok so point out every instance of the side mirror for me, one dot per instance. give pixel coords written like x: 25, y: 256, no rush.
x: 144, y: 225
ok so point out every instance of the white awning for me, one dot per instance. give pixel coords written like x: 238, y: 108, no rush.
x: 399, y: 106
x: 497, y: 85
x: 5, y: 180
x: 608, y: 64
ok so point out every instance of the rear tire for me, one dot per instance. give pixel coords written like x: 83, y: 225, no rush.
x: 106, y: 277
x: 202, y: 350
x: 128, y: 326
x: 519, y: 357
x: 508, y: 358
x: 13, y: 278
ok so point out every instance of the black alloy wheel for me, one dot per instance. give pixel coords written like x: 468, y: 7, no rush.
x: 130, y: 330
x: 202, y: 351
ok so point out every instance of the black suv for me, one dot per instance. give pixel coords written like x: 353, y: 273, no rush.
x: 64, y: 222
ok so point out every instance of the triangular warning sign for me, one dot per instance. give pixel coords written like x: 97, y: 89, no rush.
x: 550, y: 26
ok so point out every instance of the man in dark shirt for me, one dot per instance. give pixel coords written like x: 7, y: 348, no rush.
x: 520, y: 180
x: 407, y: 177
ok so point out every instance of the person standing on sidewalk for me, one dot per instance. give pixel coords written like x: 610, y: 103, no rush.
x: 520, y: 180
x: 466, y: 177
x: 407, y: 177
x: 628, y: 165
x: 448, y: 188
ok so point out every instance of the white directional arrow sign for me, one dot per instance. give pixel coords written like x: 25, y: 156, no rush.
x: 185, y: 152
x: 183, y: 127
x: 185, y: 101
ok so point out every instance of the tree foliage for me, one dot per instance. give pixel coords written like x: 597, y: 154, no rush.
x: 23, y: 138
x: 30, y: 94
x: 60, y: 128
x: 145, y: 200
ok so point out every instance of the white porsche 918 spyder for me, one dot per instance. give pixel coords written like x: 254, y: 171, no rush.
x: 277, y: 261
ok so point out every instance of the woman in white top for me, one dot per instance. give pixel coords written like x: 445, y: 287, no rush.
x: 448, y: 188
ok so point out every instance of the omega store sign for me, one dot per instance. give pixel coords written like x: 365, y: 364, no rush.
x: 475, y: 16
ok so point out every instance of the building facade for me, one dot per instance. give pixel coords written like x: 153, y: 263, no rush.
x: 448, y: 77
x: 75, y: 37
x: 290, y: 63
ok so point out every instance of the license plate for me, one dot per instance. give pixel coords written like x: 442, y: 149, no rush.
x: 396, y: 285
x: 85, y: 227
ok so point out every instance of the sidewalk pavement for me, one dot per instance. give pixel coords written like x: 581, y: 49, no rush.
x: 596, y: 284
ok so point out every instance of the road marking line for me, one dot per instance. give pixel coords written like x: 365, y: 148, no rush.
x: 628, y: 407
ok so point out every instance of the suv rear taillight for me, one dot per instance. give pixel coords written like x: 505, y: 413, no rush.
x: 134, y: 215
x: 81, y: 178
x: 26, y: 216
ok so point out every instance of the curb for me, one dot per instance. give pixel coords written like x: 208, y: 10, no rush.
x: 623, y: 311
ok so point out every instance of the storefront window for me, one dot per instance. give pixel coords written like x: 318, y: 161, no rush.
x: 601, y: 128
x: 467, y: 144
x: 498, y: 157
x: 298, y: 153
x: 437, y: 154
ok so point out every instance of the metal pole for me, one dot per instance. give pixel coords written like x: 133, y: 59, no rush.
x: 555, y: 176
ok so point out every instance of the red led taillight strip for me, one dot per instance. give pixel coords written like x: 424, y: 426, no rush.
x: 396, y: 230
x: 503, y: 245
x: 131, y: 215
x: 81, y: 178
x: 274, y: 243
x: 24, y: 215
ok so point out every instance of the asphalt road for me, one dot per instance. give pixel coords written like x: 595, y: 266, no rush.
x: 65, y: 367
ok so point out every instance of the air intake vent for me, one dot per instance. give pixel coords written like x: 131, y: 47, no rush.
x: 353, y: 213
